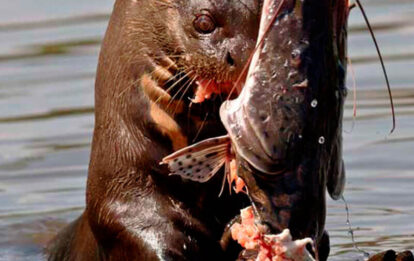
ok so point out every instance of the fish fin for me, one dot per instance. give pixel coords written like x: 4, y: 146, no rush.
x: 225, y: 177
x: 199, y: 162
x: 229, y: 179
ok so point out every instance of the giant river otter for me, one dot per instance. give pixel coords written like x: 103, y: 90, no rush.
x: 134, y: 210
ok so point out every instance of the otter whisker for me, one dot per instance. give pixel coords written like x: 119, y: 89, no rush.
x: 174, y: 77
x: 186, y: 75
x: 137, y: 80
x: 177, y: 81
x: 162, y: 72
x: 185, y: 91
x: 184, y: 86
x: 156, y: 57
x: 127, y: 88
x: 160, y: 75
x: 201, y: 127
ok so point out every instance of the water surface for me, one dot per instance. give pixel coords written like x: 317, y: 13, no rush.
x: 48, y: 57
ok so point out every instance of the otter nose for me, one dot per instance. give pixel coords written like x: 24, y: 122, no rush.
x: 229, y: 59
x: 236, y: 54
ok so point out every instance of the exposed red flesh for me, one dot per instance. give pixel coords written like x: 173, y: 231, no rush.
x: 206, y: 88
x: 279, y: 247
x: 247, y: 234
x: 239, y: 184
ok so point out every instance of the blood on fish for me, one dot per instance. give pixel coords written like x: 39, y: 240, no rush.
x: 239, y: 184
x: 280, y: 247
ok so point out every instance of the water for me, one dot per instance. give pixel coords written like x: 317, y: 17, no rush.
x: 48, y: 56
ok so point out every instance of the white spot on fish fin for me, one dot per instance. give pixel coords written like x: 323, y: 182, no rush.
x: 199, y: 162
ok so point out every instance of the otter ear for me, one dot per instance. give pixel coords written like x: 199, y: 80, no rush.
x: 199, y: 162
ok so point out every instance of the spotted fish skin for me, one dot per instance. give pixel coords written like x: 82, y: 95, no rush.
x: 266, y: 120
x: 200, y: 161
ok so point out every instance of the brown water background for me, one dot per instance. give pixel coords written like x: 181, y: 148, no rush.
x: 48, y: 56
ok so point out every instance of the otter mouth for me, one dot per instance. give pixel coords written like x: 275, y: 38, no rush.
x: 207, y: 87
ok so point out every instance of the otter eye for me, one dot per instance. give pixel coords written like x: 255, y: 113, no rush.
x: 204, y: 24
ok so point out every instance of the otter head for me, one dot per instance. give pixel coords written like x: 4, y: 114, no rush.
x: 172, y: 48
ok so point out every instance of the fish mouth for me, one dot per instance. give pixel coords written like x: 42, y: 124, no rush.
x: 248, y: 145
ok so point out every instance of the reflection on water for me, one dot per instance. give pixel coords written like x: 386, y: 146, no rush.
x: 48, y: 56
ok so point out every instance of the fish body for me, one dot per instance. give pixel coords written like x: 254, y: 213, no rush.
x: 285, y: 127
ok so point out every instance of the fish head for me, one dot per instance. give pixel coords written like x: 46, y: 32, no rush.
x: 285, y: 125
x: 268, y: 118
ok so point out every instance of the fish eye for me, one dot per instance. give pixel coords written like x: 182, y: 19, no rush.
x: 204, y: 23
x: 295, y: 54
x: 295, y: 58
